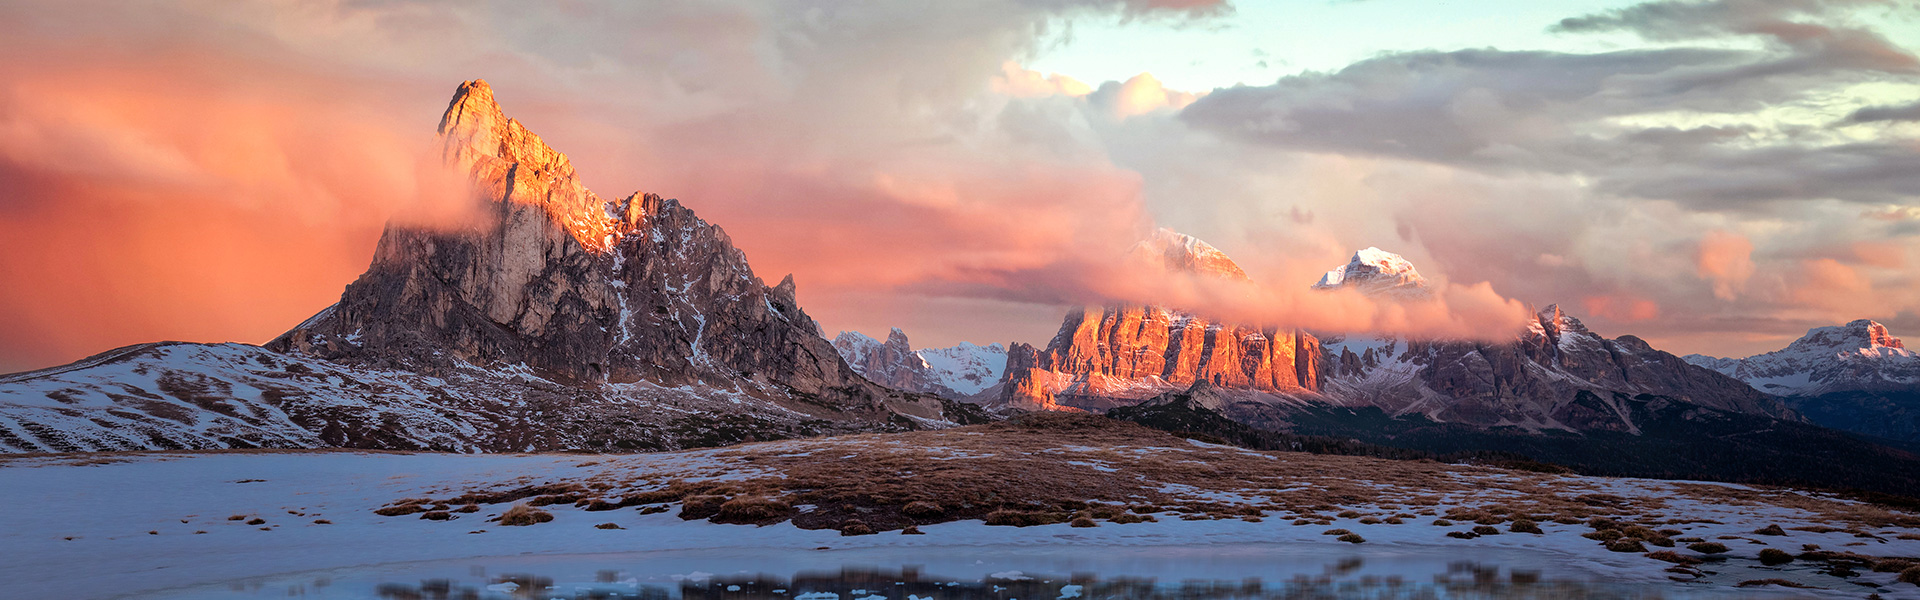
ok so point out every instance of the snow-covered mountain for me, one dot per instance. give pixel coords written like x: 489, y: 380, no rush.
x: 1858, y: 356
x: 956, y: 372
x: 1376, y: 272
x: 1177, y: 252
x: 562, y: 320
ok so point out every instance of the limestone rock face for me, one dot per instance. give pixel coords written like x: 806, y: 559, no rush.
x: 1121, y: 354
x: 576, y: 288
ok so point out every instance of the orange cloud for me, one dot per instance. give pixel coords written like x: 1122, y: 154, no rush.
x: 1622, y: 309
x: 1726, y: 260
x: 1020, y: 82
x: 1143, y: 94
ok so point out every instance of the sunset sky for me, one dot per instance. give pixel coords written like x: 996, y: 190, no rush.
x: 1715, y: 177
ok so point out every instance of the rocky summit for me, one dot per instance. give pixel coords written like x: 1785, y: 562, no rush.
x: 558, y: 320
x: 1857, y: 377
x: 1121, y: 354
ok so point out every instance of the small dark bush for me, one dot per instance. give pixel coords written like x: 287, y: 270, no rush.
x: 1442, y: 523
x: 1707, y: 547
x: 256, y: 521
x: 1624, y: 545
x: 1016, y: 518
x: 855, y: 527
x: 1770, y: 530
x: 1335, y: 532
x: 911, y: 530
x: 1910, y: 575
x: 1775, y: 556
x: 1084, y: 522
x: 522, y: 515
x: 1124, y: 518
x: 1604, y: 535
x: 1352, y: 538
x: 1349, y: 514
x: 436, y: 515
x: 1524, y: 526
x: 244, y: 517
x: 1892, y: 565
x: 923, y: 510
x: 1486, y: 530
x: 1673, y: 557
x: 1461, y: 535
x: 752, y: 509
x: 470, y: 508
x: 693, y: 508
x: 608, y: 526
x: 322, y: 522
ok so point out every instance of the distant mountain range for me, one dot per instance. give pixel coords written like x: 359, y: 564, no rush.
x: 1856, y: 377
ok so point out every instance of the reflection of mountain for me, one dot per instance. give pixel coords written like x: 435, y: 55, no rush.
x: 564, y: 321
x: 1855, y: 376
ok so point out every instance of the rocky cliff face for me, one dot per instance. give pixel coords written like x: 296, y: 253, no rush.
x: 1860, y: 356
x: 956, y: 372
x: 1121, y: 354
x: 560, y: 320
x: 574, y: 287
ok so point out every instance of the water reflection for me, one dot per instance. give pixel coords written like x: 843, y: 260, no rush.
x: 1341, y: 580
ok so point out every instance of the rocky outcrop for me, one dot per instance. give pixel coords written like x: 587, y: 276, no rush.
x: 559, y: 320
x: 574, y: 287
x: 1121, y: 354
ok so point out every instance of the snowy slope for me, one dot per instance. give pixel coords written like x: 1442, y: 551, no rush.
x: 175, y: 395
x: 965, y: 368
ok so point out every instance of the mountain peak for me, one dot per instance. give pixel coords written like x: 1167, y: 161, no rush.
x: 1862, y: 336
x: 1376, y: 272
x: 1179, y: 252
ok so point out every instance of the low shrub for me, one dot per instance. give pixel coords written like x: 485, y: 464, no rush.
x: 608, y: 526
x: 522, y: 515
x: 855, y: 527
x: 256, y: 521
x: 1352, y: 538
x: 1774, y: 556
x: 1910, y: 575
x: 911, y: 530
x: 1626, y: 545
x: 1707, y: 547
x: 1604, y: 535
x: 1770, y: 530
x: 1462, y: 535
x: 1892, y: 565
x: 1018, y: 518
x: 1335, y: 532
x: 1673, y: 557
x: 922, y: 509
x: 1442, y: 523
x: 1486, y: 530
x: 1084, y: 522
x: 436, y: 515
x: 693, y: 508
x: 752, y: 509
x: 1524, y: 526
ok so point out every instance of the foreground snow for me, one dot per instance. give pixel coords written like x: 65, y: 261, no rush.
x: 96, y: 526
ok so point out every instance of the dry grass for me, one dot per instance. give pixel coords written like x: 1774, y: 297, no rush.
x: 1066, y: 468
x: 522, y: 515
